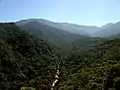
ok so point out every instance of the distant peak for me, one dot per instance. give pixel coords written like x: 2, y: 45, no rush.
x: 107, y: 25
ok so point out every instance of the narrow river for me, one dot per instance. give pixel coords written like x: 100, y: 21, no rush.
x: 56, y: 80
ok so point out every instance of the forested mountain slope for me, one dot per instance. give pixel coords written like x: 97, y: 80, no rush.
x: 25, y: 60
x: 28, y: 61
x: 95, y: 69
x: 58, y: 37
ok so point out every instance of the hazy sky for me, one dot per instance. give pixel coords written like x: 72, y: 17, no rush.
x: 83, y: 12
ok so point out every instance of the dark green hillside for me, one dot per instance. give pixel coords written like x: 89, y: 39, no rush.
x: 96, y: 69
x: 26, y: 60
x: 83, y: 44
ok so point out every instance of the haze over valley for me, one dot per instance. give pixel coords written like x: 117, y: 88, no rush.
x: 93, y: 31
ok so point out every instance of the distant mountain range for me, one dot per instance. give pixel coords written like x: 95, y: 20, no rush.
x: 63, y: 34
x: 54, y: 35
x: 107, y: 30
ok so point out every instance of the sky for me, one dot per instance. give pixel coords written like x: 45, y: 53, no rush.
x: 82, y: 12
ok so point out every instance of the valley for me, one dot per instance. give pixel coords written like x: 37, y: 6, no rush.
x: 33, y: 50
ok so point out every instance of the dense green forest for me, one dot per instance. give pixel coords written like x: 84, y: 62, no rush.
x: 27, y: 62
x: 95, y: 69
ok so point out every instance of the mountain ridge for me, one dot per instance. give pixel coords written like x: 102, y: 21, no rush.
x: 93, y: 31
x: 63, y: 25
x: 51, y: 34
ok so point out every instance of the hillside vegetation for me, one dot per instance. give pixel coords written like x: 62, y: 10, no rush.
x: 96, y: 69
x: 27, y: 61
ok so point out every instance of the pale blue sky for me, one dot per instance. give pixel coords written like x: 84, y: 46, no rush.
x: 83, y: 12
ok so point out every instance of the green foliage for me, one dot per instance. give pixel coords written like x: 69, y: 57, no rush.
x: 117, y: 83
x: 27, y: 88
x: 96, y: 68
x: 28, y: 62
x: 25, y: 60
